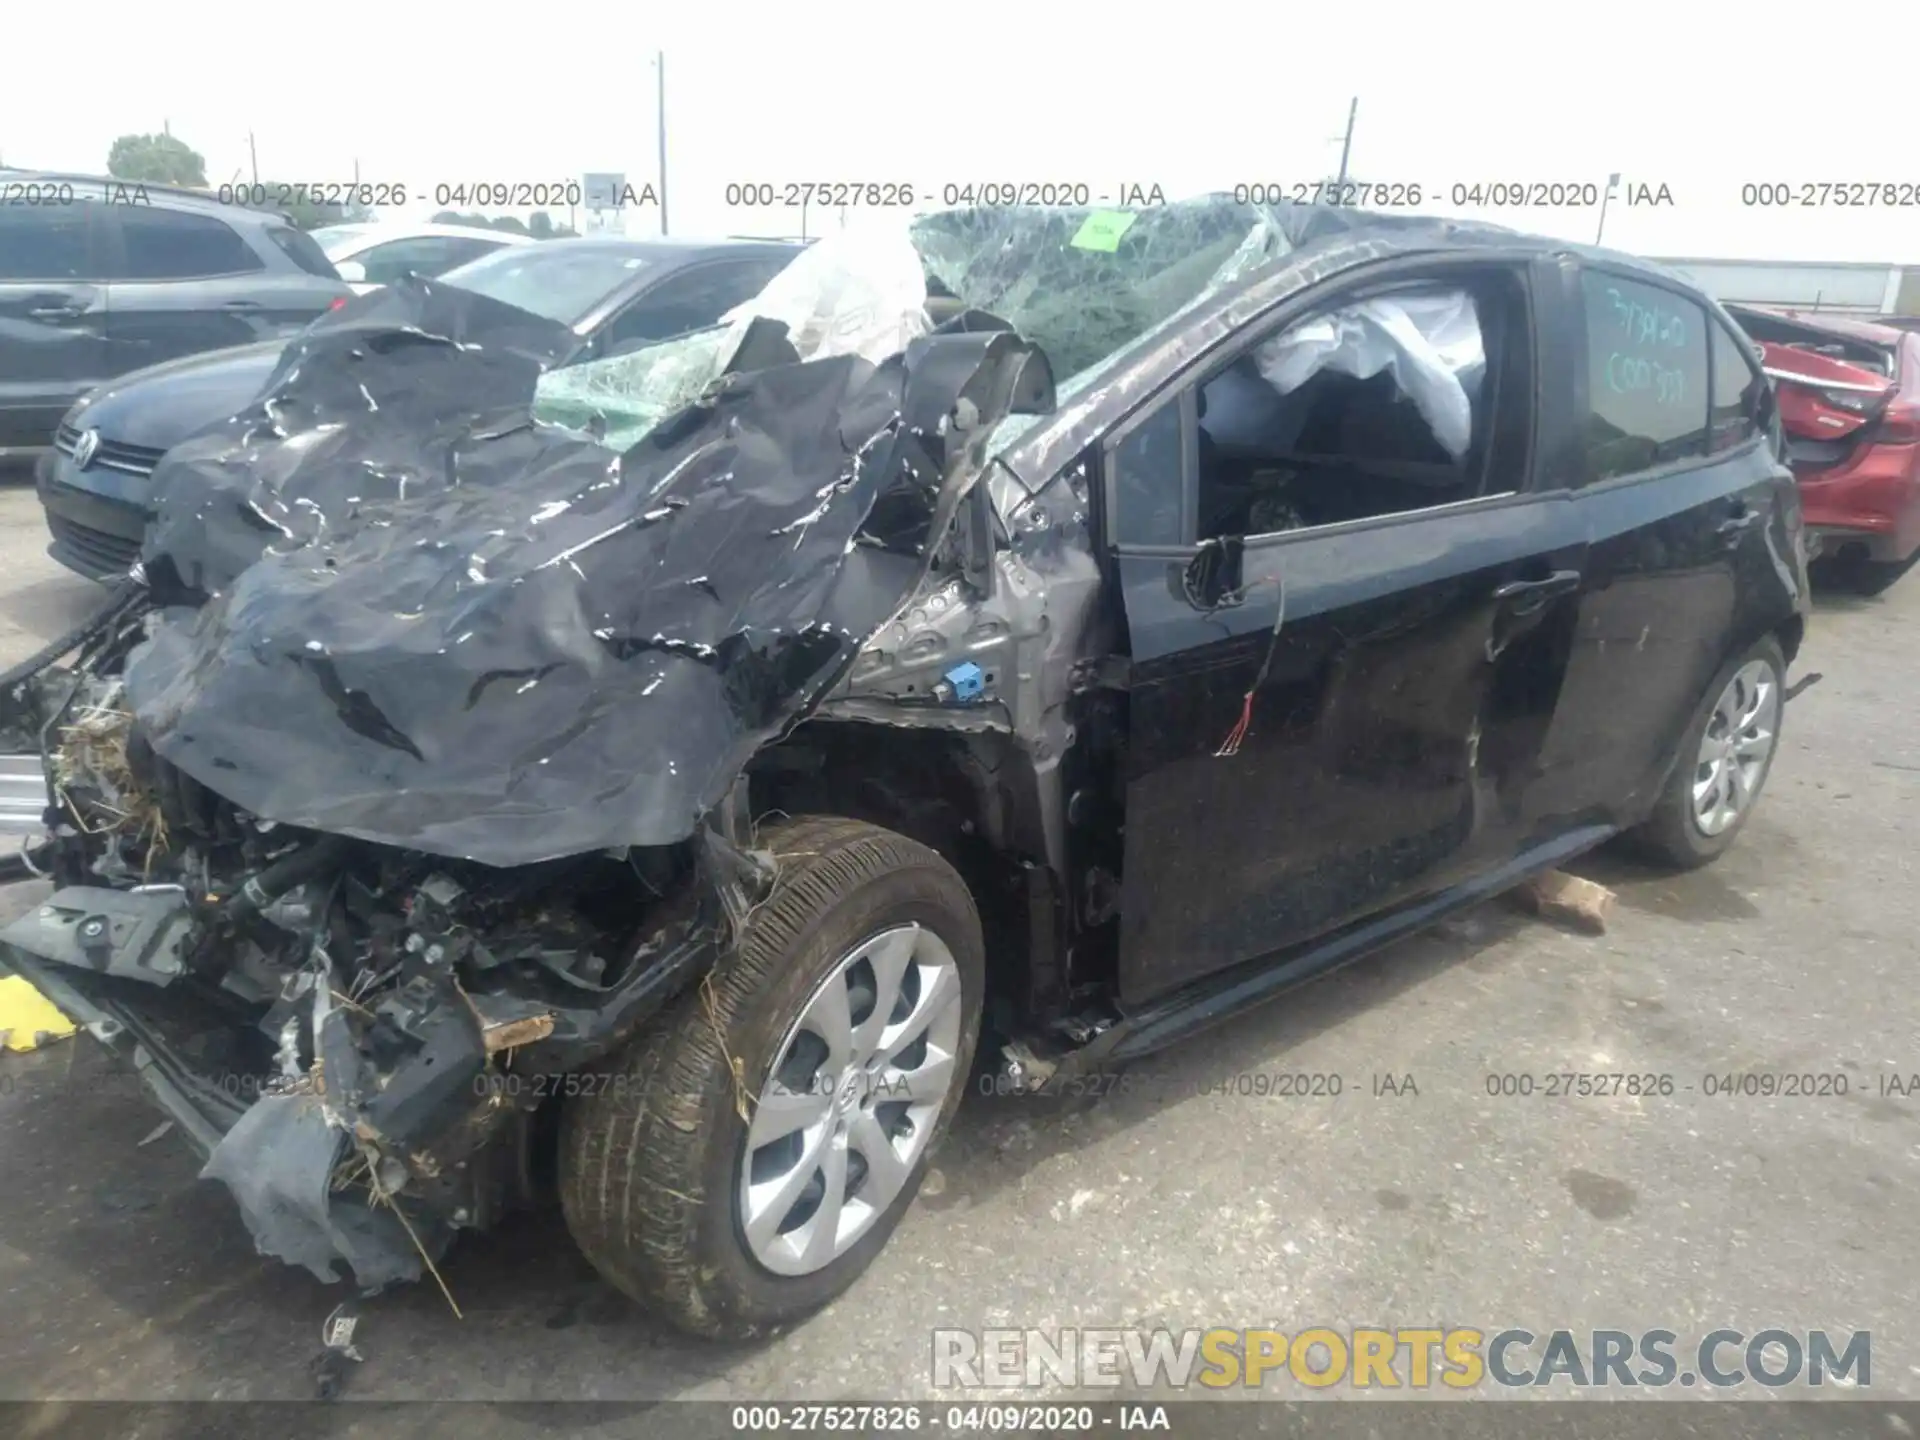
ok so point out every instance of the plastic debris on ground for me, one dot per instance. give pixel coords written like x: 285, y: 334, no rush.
x: 28, y: 1019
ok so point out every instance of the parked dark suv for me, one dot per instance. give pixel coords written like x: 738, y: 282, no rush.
x: 99, y: 277
x: 1077, y: 624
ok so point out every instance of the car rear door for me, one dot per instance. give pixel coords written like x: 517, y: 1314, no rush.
x: 53, y: 311
x: 186, y: 282
x: 1327, y: 720
x: 1685, y: 504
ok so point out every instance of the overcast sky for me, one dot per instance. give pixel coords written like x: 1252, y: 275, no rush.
x: 1698, y: 98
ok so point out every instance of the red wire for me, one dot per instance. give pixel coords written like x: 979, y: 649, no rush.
x: 1231, y: 745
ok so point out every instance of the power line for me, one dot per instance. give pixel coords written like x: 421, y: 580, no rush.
x: 1346, y: 148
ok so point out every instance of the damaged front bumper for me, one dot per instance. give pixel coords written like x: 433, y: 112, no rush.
x: 445, y: 786
x: 397, y: 1133
x: 204, y: 1111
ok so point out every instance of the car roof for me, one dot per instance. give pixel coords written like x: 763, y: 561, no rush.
x: 665, y: 253
x: 376, y: 232
x: 177, y: 196
x: 1871, y: 330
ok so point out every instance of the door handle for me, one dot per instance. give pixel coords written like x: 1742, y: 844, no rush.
x: 240, y: 305
x: 1523, y: 597
x: 55, y: 312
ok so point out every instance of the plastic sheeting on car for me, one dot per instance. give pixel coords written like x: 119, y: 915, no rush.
x: 859, y: 291
x: 432, y: 620
x: 482, y: 637
x: 1077, y: 282
x: 1429, y: 341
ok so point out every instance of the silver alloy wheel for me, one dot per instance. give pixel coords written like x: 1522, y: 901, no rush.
x: 855, y: 1090
x: 1734, y: 750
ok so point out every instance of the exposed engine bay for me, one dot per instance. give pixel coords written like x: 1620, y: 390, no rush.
x: 339, y: 1015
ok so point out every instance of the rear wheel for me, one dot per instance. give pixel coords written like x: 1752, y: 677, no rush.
x: 1723, y: 765
x: 1862, y: 576
x: 749, y: 1155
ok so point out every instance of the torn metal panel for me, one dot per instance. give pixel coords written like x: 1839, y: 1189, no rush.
x: 551, y: 649
x: 397, y: 400
x: 135, y: 935
x: 280, y: 1161
x: 1026, y: 630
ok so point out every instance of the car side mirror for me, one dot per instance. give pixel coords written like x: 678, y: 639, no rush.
x: 351, y: 271
x: 1211, y: 579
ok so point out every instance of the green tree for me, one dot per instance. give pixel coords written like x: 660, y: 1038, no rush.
x: 543, y: 226
x: 156, y: 160
x: 511, y: 222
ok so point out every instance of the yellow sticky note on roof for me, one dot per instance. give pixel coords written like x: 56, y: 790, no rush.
x: 27, y: 1018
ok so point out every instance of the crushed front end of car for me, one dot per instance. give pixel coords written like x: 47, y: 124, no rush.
x: 412, y: 760
x: 408, y: 762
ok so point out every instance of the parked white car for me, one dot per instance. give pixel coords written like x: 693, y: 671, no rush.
x: 376, y: 253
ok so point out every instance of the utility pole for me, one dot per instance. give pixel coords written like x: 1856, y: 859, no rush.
x: 1605, y: 196
x: 1346, y: 148
x: 253, y: 157
x: 660, y: 92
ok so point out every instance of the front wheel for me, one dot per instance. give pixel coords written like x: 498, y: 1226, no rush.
x: 1723, y: 764
x: 750, y: 1153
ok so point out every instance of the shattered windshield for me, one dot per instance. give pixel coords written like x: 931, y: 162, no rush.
x: 1084, y: 285
x: 555, y: 281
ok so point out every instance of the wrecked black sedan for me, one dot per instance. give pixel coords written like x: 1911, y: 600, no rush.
x: 1077, y: 624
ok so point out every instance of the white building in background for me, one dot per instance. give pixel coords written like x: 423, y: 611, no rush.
x: 1856, y: 289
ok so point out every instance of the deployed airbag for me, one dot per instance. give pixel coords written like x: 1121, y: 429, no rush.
x: 1429, y: 342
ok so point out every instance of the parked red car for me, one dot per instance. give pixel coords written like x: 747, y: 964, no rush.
x: 1850, y: 409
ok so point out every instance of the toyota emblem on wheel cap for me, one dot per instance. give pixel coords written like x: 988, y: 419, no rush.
x: 84, y: 447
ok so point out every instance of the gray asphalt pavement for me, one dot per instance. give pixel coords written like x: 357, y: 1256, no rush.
x: 1178, y: 1199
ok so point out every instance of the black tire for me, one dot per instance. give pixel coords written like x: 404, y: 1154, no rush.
x: 1862, y: 577
x: 1671, y: 836
x: 650, y: 1160
x: 1874, y: 577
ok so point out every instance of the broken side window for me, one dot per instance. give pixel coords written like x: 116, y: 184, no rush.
x: 1383, y: 405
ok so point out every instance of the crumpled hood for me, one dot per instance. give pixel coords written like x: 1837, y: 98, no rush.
x: 435, y: 623
x: 160, y: 406
x: 462, y: 599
